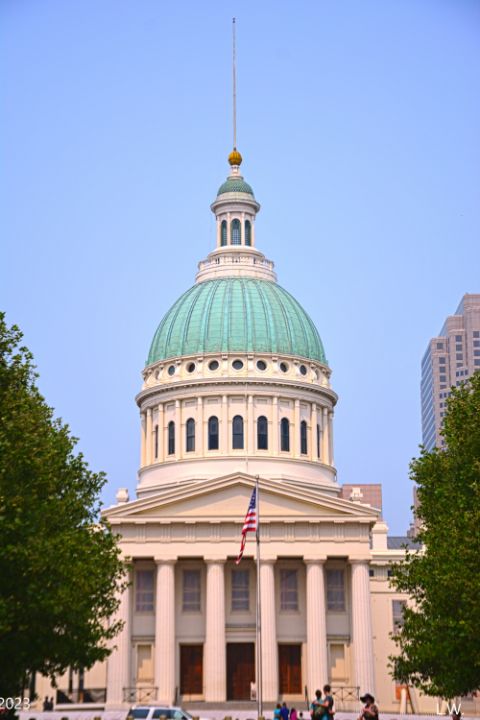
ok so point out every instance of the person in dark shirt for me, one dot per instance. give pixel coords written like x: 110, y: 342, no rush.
x: 370, y: 711
x: 327, y: 703
x: 284, y: 712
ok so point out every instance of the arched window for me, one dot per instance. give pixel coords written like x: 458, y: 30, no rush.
x: 318, y: 441
x: 236, y: 234
x: 213, y: 433
x: 303, y: 437
x: 237, y: 432
x: 248, y: 233
x: 262, y: 433
x: 284, y: 435
x: 223, y: 233
x: 171, y: 438
x: 190, y: 432
x: 155, y: 442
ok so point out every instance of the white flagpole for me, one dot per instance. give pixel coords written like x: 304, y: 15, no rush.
x: 259, y: 608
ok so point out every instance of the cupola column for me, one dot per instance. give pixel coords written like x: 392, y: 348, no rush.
x: 148, y: 458
x: 178, y: 430
x: 224, y: 445
x: 313, y: 433
x: 200, y: 431
x: 250, y: 427
x: 330, y: 438
x: 218, y: 232
x: 296, y: 429
x: 142, y: 439
x: 160, y: 434
x: 275, y: 426
x: 325, y: 440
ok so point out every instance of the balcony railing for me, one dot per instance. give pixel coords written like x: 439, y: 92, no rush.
x: 139, y: 694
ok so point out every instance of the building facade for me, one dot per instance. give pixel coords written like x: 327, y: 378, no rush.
x: 237, y: 385
x: 450, y: 358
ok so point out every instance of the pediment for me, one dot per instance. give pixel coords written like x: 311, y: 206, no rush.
x: 226, y: 499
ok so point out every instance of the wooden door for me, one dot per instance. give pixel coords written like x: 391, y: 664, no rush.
x: 240, y: 670
x: 290, y: 669
x: 191, y: 669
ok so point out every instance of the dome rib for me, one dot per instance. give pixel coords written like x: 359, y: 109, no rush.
x: 236, y: 314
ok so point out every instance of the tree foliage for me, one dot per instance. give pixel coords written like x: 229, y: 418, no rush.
x: 59, y: 563
x: 439, y: 643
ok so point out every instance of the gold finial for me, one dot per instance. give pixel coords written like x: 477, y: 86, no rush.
x: 235, y: 158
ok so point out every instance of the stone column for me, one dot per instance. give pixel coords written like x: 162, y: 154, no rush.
x: 317, y: 662
x: 199, y: 440
x: 275, y: 427
x: 142, y: 439
x: 269, y: 632
x: 165, y: 632
x: 325, y: 440
x: 118, y: 663
x: 330, y: 437
x: 362, y: 627
x: 215, y: 673
x: 178, y: 430
x: 313, y: 433
x: 148, y: 454
x: 224, y: 444
x: 296, y: 429
x: 218, y: 233
x: 250, y: 427
x: 160, y: 423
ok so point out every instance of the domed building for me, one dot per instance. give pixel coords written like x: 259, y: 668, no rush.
x: 236, y: 394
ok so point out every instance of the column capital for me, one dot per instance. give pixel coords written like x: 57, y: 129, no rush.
x: 268, y: 561
x: 359, y: 560
x: 214, y: 560
x: 315, y: 560
x: 165, y: 561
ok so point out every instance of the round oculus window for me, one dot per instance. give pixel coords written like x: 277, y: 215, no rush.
x: 171, y: 370
x: 190, y: 367
x: 283, y: 367
x: 213, y: 365
x: 303, y: 369
x: 237, y: 364
x: 261, y: 365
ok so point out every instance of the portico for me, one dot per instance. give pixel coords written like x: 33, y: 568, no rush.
x: 201, y: 606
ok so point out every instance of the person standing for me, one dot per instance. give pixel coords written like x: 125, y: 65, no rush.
x: 284, y: 711
x: 293, y: 714
x: 316, y: 709
x: 277, y: 713
x: 327, y: 703
x: 370, y: 711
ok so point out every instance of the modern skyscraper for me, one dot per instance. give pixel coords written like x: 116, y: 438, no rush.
x: 450, y: 359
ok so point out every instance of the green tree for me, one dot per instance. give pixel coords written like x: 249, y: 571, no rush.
x: 439, y: 644
x: 59, y: 563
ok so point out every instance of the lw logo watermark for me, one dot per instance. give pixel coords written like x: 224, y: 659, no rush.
x: 447, y: 708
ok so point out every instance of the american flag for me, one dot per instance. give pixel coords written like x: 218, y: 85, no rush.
x: 250, y: 523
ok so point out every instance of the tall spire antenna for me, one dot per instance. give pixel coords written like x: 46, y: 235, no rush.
x: 234, y: 64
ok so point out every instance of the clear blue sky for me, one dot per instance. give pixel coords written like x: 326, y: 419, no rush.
x: 359, y: 124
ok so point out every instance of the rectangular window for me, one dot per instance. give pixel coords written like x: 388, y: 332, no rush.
x: 439, y: 346
x: 191, y: 591
x: 144, y: 591
x: 476, y: 343
x: 476, y: 333
x: 459, y: 356
x: 144, y: 664
x: 476, y: 361
x: 191, y: 669
x: 443, y: 378
x: 458, y: 338
x: 442, y: 361
x: 240, y: 590
x: 476, y: 353
x: 288, y: 590
x: 290, y: 669
x: 335, y: 590
x: 397, y: 613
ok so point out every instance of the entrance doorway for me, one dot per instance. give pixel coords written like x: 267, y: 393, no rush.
x: 240, y: 670
x: 290, y: 669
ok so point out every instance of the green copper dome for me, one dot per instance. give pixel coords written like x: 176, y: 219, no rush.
x: 236, y: 314
x: 235, y: 185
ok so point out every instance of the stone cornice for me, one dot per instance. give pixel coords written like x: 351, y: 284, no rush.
x: 149, y: 397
